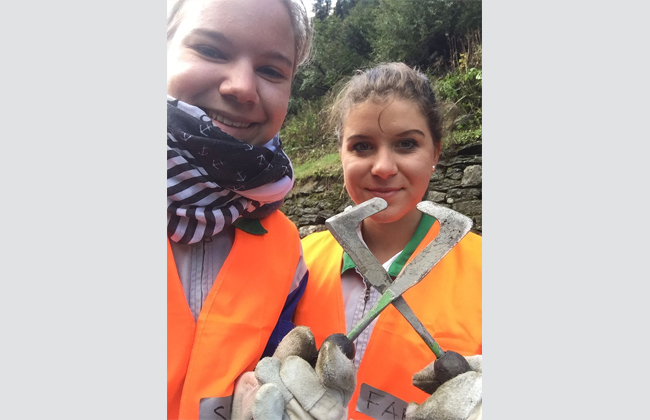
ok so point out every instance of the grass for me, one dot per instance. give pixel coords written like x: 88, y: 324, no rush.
x: 326, y: 165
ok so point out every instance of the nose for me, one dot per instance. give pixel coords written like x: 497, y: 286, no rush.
x: 384, y: 164
x: 240, y: 83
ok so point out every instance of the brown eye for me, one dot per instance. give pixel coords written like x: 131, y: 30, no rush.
x: 407, y: 144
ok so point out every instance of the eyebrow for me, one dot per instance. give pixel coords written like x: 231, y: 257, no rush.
x: 218, y: 36
x: 402, y: 134
x: 357, y: 137
x: 413, y: 131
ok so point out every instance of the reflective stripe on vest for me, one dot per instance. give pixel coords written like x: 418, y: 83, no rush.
x: 205, y: 358
x: 447, y: 301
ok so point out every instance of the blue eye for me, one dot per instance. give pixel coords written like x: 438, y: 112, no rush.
x: 361, y: 147
x: 271, y: 72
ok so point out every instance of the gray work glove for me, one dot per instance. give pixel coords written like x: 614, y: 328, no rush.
x: 287, y: 387
x: 459, y: 398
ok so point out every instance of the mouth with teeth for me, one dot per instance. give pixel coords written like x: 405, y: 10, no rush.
x: 225, y: 121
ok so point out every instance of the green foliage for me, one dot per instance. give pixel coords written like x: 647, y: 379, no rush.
x: 357, y: 34
x: 343, y: 7
x: 321, y: 8
x: 418, y: 32
x: 304, y: 136
x: 323, y: 166
x: 461, y: 89
x: 338, y: 50
x: 360, y: 28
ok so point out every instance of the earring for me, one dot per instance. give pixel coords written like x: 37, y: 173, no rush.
x: 433, y: 167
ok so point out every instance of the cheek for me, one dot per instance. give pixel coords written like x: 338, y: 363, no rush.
x: 280, y: 103
x: 352, y: 174
x: 180, y: 84
x: 353, y: 190
x: 187, y: 78
x: 418, y: 170
x: 173, y: 87
x: 276, y: 103
x: 174, y: 69
x: 421, y: 178
x: 280, y: 111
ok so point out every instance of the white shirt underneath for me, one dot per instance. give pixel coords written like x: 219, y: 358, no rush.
x: 354, y: 288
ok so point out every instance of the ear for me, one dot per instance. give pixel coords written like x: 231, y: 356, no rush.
x: 436, y: 152
x: 436, y: 155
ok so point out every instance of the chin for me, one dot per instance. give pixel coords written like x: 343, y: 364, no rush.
x: 389, y: 217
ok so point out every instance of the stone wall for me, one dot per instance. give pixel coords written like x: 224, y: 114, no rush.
x: 456, y: 183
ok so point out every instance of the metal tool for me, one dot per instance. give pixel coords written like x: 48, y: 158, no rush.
x: 453, y: 227
x: 344, y: 229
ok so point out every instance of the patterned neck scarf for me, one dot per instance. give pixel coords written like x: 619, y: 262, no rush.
x: 213, y: 178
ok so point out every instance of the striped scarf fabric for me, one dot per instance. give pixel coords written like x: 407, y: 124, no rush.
x: 213, y: 179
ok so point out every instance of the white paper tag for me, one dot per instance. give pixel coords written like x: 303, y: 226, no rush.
x: 215, y: 408
x: 380, y: 405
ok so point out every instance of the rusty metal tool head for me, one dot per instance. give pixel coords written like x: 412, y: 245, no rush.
x: 453, y: 227
x: 344, y: 226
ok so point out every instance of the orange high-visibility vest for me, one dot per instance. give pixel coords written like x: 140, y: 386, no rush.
x: 205, y: 358
x: 447, y: 301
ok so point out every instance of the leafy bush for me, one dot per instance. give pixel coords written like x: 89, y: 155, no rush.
x: 418, y: 32
x: 304, y: 136
x: 461, y: 92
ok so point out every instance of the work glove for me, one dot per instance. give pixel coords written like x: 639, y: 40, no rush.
x: 287, y: 387
x: 458, y: 398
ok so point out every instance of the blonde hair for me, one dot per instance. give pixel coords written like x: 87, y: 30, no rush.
x: 302, y: 29
x: 386, y: 82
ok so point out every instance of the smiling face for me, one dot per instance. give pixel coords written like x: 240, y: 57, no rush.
x: 235, y: 61
x: 387, y: 151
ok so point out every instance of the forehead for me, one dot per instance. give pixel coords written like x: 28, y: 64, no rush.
x: 384, y: 116
x: 260, y: 24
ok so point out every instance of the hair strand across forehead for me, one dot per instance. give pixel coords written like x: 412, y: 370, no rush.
x: 385, y: 82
